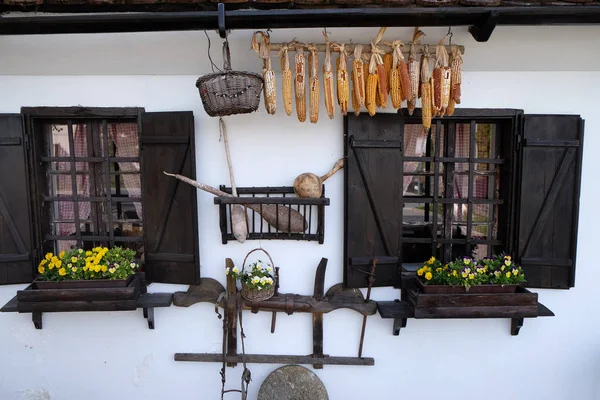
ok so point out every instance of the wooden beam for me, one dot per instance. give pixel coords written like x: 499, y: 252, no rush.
x: 274, y: 359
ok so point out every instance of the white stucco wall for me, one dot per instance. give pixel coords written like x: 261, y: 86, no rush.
x: 97, y: 356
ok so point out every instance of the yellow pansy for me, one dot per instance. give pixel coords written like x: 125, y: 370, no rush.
x: 508, y: 274
x: 62, y: 272
x: 51, y: 265
x: 454, y: 273
x: 58, y: 263
x: 88, y: 253
x: 104, y: 268
x: 428, y: 276
x: 431, y: 260
x: 97, y: 268
x: 112, y: 270
x: 467, y: 261
x: 515, y: 272
x: 61, y: 254
x: 464, y: 274
x: 73, y: 259
x: 85, y: 268
x: 41, y: 269
x: 420, y: 272
x: 502, y: 268
x: 471, y: 276
x: 43, y: 262
x: 54, y: 259
x: 508, y: 258
x: 74, y: 269
x: 48, y: 256
x: 438, y: 270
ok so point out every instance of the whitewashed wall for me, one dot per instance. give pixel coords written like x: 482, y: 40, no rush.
x: 97, y: 356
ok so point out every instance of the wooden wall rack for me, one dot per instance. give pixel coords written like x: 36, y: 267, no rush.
x: 312, y: 209
x: 210, y: 290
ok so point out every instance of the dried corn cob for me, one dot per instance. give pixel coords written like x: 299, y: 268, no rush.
x: 456, y: 71
x: 264, y: 51
x: 382, y: 78
x: 313, y: 84
x: 388, y: 61
x: 450, y: 109
x: 286, y: 80
x: 443, y: 77
x: 436, y: 84
x: 426, y: 90
x: 372, y: 87
x: 328, y: 82
x: 355, y: 102
x: 300, y: 84
x: 414, y: 73
x: 357, y: 75
x: 401, y: 88
x: 342, y: 81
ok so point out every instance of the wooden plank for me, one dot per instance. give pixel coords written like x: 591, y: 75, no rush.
x: 72, y: 306
x: 470, y: 300
x: 477, y: 312
x: 128, y: 113
x: 11, y: 306
x: 274, y: 359
x: 395, y: 309
x: 271, y: 200
x: 147, y: 300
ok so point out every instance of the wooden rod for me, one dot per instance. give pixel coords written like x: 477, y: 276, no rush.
x: 274, y: 359
x: 384, y: 46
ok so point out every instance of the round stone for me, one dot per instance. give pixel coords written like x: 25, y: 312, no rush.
x: 292, y: 382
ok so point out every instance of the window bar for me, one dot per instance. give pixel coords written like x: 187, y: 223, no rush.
x: 289, y: 219
x: 230, y: 218
x: 472, y: 132
x: 303, y: 222
x: 74, y: 182
x: 427, y: 169
x: 117, y: 184
x: 491, y: 189
x: 276, y: 217
x: 94, y: 179
x: 261, y: 221
x: 253, y: 216
x: 109, y: 214
x: 436, y: 186
x: 310, y: 208
x: 450, y: 145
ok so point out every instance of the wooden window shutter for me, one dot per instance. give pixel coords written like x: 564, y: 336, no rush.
x: 16, y: 258
x: 373, y: 198
x: 169, y: 205
x: 548, y: 199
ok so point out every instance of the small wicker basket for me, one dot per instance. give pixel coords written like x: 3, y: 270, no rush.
x: 229, y: 92
x: 252, y: 294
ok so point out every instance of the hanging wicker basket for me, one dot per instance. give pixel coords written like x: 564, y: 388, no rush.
x: 229, y: 92
x: 252, y: 294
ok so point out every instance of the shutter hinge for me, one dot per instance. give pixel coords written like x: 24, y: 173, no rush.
x: 27, y: 142
x: 519, y: 142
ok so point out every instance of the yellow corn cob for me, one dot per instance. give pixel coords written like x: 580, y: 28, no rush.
x: 456, y: 71
x: 450, y: 109
x: 396, y: 88
x: 342, y: 83
x: 313, y: 86
x: 299, y: 84
x: 372, y: 88
x: 387, y: 63
x: 445, y: 89
x: 328, y: 89
x: 358, y: 76
x: 286, y: 81
x: 382, y: 92
x: 426, y: 105
x: 355, y: 102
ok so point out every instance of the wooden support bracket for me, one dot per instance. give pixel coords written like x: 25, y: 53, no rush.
x: 483, y: 31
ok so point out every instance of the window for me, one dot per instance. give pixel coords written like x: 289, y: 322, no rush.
x: 93, y: 189
x: 88, y: 177
x: 478, y: 183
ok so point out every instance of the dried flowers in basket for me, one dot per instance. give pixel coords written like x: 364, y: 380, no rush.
x: 496, y: 274
x: 98, y: 264
x: 257, y: 280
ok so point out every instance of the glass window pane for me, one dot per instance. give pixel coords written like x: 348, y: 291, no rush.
x: 123, y: 140
x: 80, y: 142
x: 57, y: 140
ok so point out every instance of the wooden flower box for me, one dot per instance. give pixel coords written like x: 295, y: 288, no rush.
x: 81, y: 295
x: 448, y: 289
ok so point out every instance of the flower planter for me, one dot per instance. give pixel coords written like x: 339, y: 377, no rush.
x: 83, y: 284
x: 69, y: 298
x: 448, y: 289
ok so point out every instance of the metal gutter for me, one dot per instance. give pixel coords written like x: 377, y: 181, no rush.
x: 479, y: 17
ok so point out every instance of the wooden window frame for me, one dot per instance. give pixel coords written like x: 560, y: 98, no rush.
x: 34, y: 141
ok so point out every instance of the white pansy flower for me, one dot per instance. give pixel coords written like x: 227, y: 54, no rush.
x: 235, y: 270
x: 269, y: 269
x: 227, y: 271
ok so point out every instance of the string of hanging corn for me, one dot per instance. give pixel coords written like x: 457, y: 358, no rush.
x: 400, y: 82
x: 372, y: 86
x: 313, y: 84
x: 300, y: 84
x: 264, y: 52
x: 328, y: 90
x: 382, y: 74
x: 358, y: 77
x: 455, y: 79
x: 426, y: 91
x: 441, y: 64
x: 286, y: 80
x: 342, y: 81
x: 414, y: 72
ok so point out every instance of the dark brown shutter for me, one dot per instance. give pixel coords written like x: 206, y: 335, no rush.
x: 16, y: 259
x: 548, y: 199
x: 170, y: 211
x: 373, y: 198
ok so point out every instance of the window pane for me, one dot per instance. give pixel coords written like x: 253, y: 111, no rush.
x: 80, y: 142
x: 127, y: 210
x: 463, y: 138
x: 418, y: 185
x: 57, y: 140
x: 123, y: 140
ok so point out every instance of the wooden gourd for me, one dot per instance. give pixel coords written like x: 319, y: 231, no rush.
x: 276, y: 215
x: 308, y: 185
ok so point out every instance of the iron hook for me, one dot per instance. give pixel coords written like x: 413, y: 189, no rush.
x: 221, y: 20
